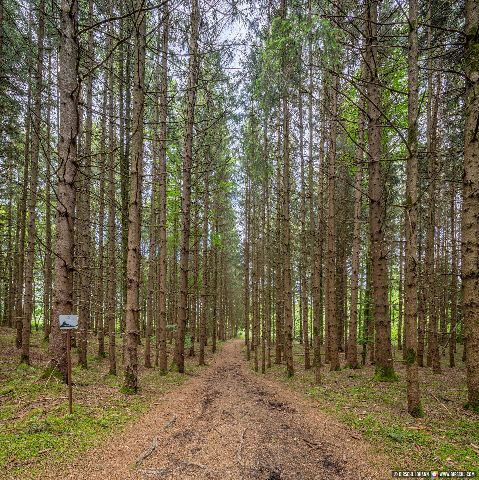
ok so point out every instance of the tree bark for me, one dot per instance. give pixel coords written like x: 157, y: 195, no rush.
x: 330, y: 300
x: 470, y: 209
x: 67, y: 169
x: 186, y: 187
x: 377, y: 209
x: 411, y: 311
x: 32, y: 198
x: 204, y: 271
x: 352, y: 351
x: 132, y: 306
x: 83, y: 209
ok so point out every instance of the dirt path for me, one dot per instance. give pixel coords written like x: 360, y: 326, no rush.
x: 229, y: 423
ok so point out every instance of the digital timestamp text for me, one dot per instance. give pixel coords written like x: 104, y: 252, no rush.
x: 432, y: 474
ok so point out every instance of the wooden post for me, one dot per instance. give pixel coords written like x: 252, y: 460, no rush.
x: 69, y: 372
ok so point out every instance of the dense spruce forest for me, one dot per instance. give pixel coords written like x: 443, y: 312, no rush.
x: 265, y: 216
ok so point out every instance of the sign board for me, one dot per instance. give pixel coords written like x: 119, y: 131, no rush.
x: 68, y: 322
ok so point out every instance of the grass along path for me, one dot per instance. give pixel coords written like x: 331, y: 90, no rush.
x: 447, y: 438
x: 228, y: 424
x: 35, y: 428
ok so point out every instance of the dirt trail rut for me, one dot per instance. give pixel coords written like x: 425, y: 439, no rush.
x: 228, y: 423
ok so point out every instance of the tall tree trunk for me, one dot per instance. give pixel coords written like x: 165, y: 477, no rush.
x: 305, y: 243
x: 48, y: 261
x: 100, y: 277
x: 162, y: 191
x: 453, y: 296
x: 246, y: 297
x: 352, y: 351
x: 431, y: 277
x: 153, y: 237
x: 194, y: 323
x: 413, y: 395
x: 204, y: 271
x: 401, y: 328
x: 377, y: 209
x: 470, y: 209
x: 254, y: 283
x: 66, y: 173
x: 186, y: 186
x: 315, y: 236
x: 132, y: 306
x: 125, y: 139
x: 279, y: 347
x: 32, y: 198
x: 111, y: 288
x: 331, y: 307
x: 214, y: 288
x: 19, y: 270
x: 83, y: 214
x: 286, y: 238
x: 285, y: 224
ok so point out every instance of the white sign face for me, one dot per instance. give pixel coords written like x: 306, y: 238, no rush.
x: 68, y: 322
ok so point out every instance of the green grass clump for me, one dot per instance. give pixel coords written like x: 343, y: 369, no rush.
x: 442, y: 435
x: 35, y: 427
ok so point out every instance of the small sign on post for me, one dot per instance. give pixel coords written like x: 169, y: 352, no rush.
x: 69, y: 323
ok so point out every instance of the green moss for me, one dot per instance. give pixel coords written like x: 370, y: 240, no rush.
x: 385, y: 374
x: 126, y: 390
x: 52, y: 372
x: 356, y: 366
x: 473, y: 406
x: 417, y: 411
x: 409, y: 356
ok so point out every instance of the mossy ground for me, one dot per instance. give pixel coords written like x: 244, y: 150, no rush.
x: 35, y: 427
x: 446, y: 438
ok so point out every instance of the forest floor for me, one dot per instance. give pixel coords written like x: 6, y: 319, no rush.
x: 446, y: 438
x: 225, y: 421
x: 228, y: 423
x: 35, y: 428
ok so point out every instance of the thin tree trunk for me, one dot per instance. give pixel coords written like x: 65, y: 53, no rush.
x: 331, y: 307
x: 453, y: 296
x: 111, y: 288
x: 401, y: 328
x: 83, y: 215
x: 162, y: 191
x: 21, y: 217
x: 204, y: 271
x: 286, y: 237
x: 246, y: 248
x: 413, y: 394
x: 352, y: 354
x: 279, y: 256
x: 32, y: 198
x: 186, y: 187
x: 377, y: 210
x: 132, y: 306
x: 100, y: 288
x: 48, y: 261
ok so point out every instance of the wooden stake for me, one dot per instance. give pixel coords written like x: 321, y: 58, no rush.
x: 69, y: 373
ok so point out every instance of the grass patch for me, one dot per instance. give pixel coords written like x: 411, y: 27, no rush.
x: 36, y: 431
x: 446, y: 438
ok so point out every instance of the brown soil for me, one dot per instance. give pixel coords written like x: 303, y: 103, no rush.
x: 229, y: 423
